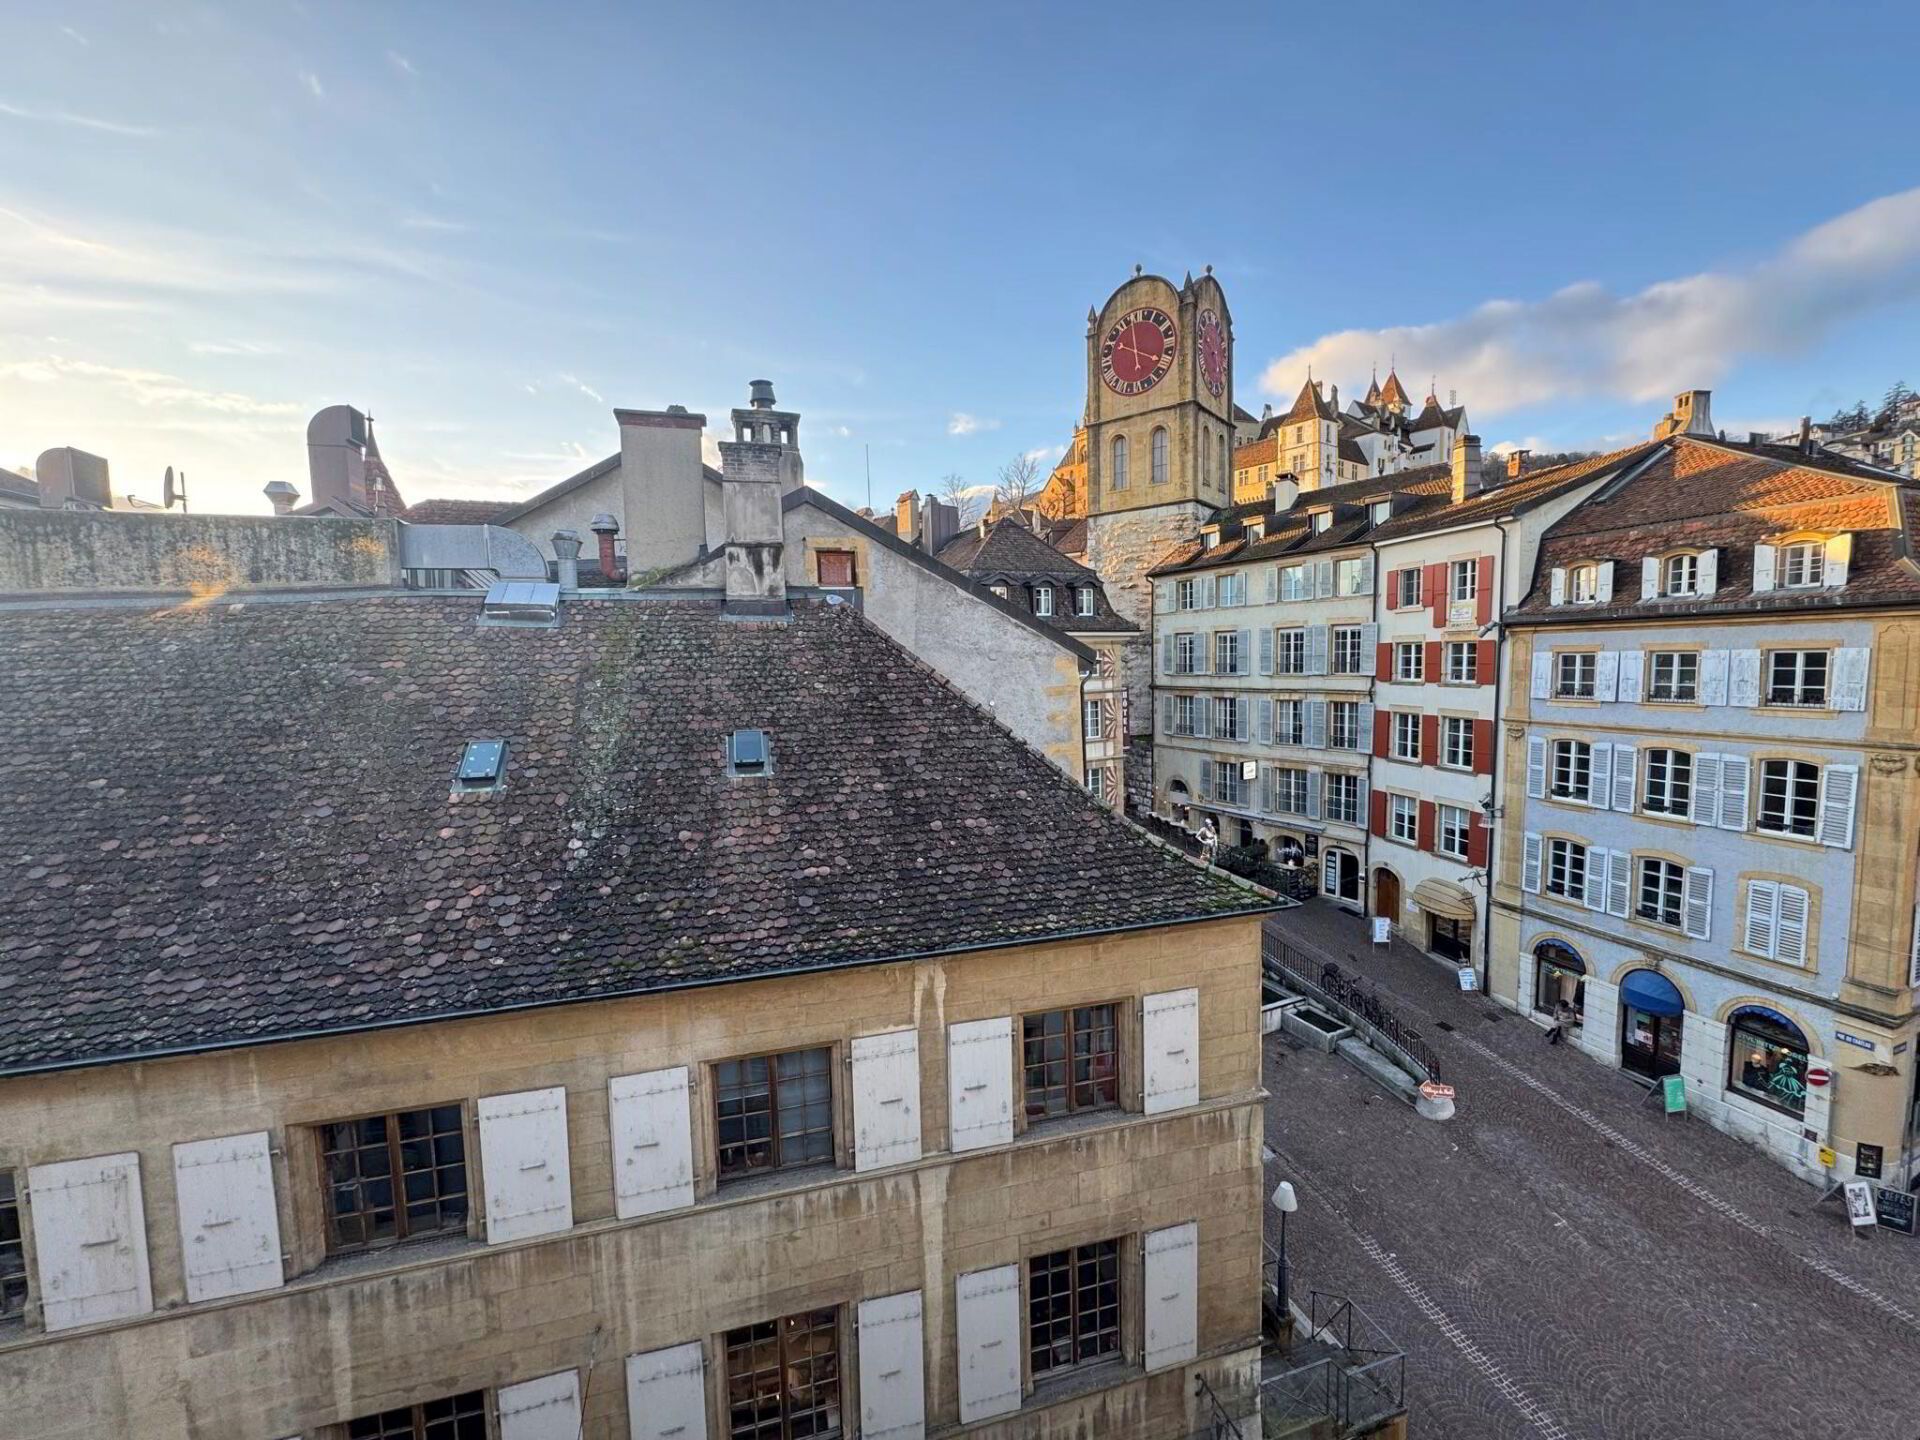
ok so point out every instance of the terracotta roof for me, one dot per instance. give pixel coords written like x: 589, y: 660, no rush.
x: 1264, y: 451
x: 1436, y: 510
x: 1307, y: 405
x: 456, y: 512
x: 1010, y: 551
x: 1393, y: 392
x: 239, y: 827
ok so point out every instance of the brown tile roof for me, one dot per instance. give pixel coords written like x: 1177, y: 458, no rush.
x: 1010, y: 551
x: 229, y: 824
x: 1436, y: 511
x: 1265, y: 451
x: 1307, y: 405
x: 456, y: 512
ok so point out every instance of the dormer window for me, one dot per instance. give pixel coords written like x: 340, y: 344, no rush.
x: 1378, y: 511
x: 1803, y: 566
x: 749, y: 754
x: 1256, y: 530
x: 1680, y: 575
x: 1583, y: 584
x: 483, y: 766
x: 1043, y: 600
x: 1083, y: 600
x: 1322, y: 522
x: 1209, y: 539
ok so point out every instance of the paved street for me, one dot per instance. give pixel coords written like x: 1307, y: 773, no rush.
x: 1560, y: 1260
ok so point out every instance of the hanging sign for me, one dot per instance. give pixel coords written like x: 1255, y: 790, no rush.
x: 1860, y: 1210
x: 1894, y: 1209
x: 1673, y: 1094
x: 1866, y: 1161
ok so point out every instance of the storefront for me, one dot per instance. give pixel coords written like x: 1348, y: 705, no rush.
x: 1447, y: 912
x: 1340, y: 875
x: 1559, y: 981
x: 1651, y: 1017
x: 1767, y: 1059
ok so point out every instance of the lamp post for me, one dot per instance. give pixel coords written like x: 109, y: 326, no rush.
x: 1286, y: 1202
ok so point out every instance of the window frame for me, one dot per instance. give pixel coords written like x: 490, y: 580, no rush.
x: 1043, y: 601
x: 1341, y: 808
x: 1568, y: 856
x: 1467, y: 672
x: 1811, y: 556
x: 1405, y: 673
x: 1688, y: 563
x: 1579, y: 688
x: 1226, y: 652
x: 1405, y: 807
x: 1117, y: 477
x: 1293, y: 729
x: 1741, y: 1023
x: 1463, y: 580
x: 1083, y: 600
x: 1350, y: 710
x: 1070, y: 1084
x: 478, y: 1406
x: 403, y: 1233
x: 1583, y: 577
x: 1800, y: 687
x: 16, y: 1287
x: 1186, y: 595
x: 1296, y: 579
x: 1576, y: 758
x: 1644, y: 867
x: 1675, y: 661
x: 1104, y: 1326
x: 725, y: 1174
x: 1443, y: 825
x: 1347, y: 638
x: 1290, y: 639
x: 1456, y: 735
x: 1405, y: 723
x: 1791, y: 784
x: 1660, y: 774
x: 788, y: 1358
x: 1406, y: 590
x: 1158, y: 471
x: 1290, y: 789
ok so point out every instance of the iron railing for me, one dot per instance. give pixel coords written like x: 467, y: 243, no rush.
x: 1217, y: 1424
x: 1349, y: 997
x: 1372, y: 1379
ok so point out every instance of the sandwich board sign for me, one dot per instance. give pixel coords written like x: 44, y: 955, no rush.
x: 1860, y: 1210
x: 1382, y: 930
x: 1894, y: 1208
x: 1673, y: 1094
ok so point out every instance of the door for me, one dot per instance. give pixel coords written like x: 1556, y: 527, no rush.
x: 1649, y: 1044
x: 1450, y: 939
x: 1340, y: 875
x: 1386, y: 895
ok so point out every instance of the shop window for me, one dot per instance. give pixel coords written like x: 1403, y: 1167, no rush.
x: 1073, y: 1307
x: 783, y: 1378
x: 772, y: 1112
x: 1071, y: 1061
x: 1559, y: 979
x: 1767, y: 1059
x: 392, y: 1178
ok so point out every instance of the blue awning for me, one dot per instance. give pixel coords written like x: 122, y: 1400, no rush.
x: 1652, y: 992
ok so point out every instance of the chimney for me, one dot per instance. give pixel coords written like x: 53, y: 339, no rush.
x: 663, y: 487
x: 566, y: 551
x: 337, y: 458
x: 761, y: 424
x: 283, y: 496
x: 1806, y: 434
x: 1468, y: 477
x: 939, y: 523
x: 906, y: 517
x: 1516, y: 463
x: 751, y: 492
x: 71, y: 479
x: 1693, y: 413
x: 1336, y: 397
x: 612, y: 572
x: 1282, y: 493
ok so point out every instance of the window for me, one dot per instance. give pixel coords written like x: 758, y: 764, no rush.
x: 13, y: 1250
x: 1567, y: 869
x: 1083, y: 600
x: 1226, y: 652
x: 1406, y: 589
x: 1406, y: 735
x: 835, y: 567
x: 1098, y: 778
x: 1669, y: 782
x: 1119, y: 462
x: 749, y: 753
x: 1463, y: 662
x: 1797, y: 677
x: 1071, y: 1061
x: 1343, y: 724
x: 1661, y: 884
x: 1789, y: 797
x: 1776, y: 916
x: 1043, y: 600
x: 1322, y: 521
x: 1073, y: 1307
x: 1583, y: 584
x: 1352, y: 577
x: 1466, y: 580
x: 1343, y: 797
x: 1296, y: 582
x: 1256, y: 530
x: 1348, y: 658
x: 783, y: 1378
x: 1186, y: 714
x: 1227, y: 785
x: 394, y: 1177
x: 1403, y: 819
x: 1676, y: 676
x: 1229, y: 722
x: 1186, y: 654
x: 1680, y: 575
x: 483, y: 765
x: 1092, y: 719
x: 1573, y: 674
x: 1559, y: 979
x: 1803, y: 566
x: 773, y: 1111
x: 1160, y: 455
x: 1572, y: 770
x: 1290, y: 652
x: 1233, y: 590
x: 1453, y: 827
x: 1289, y: 722
x: 1767, y: 1059
x: 1187, y: 595
x: 460, y: 1417
x: 1290, y: 792
x: 1378, y: 512
x: 1409, y: 661
x: 1456, y: 747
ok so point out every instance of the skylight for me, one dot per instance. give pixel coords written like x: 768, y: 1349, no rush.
x: 483, y: 766
x: 749, y: 753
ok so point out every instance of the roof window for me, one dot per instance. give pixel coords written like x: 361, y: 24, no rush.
x: 483, y: 768
x: 749, y: 753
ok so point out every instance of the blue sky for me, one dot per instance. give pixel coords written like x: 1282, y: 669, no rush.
x: 490, y: 224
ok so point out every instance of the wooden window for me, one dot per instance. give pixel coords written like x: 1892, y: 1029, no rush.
x: 1661, y: 887
x: 1804, y: 565
x: 1409, y: 661
x: 459, y: 1417
x: 773, y: 1111
x: 783, y: 1378
x: 1466, y: 580
x: 1463, y: 662
x: 1676, y: 676
x: 1567, y: 869
x: 394, y: 1177
x: 1669, y: 782
x: 1454, y: 827
x: 1406, y: 735
x: 1349, y: 656
x: 1406, y: 590
x: 1574, y: 672
x: 13, y: 1249
x: 1290, y: 652
x: 1572, y: 770
x: 1403, y: 819
x: 1071, y: 1060
x: 1073, y: 1307
x: 1789, y: 797
x: 836, y: 567
x: 1456, y: 742
x: 1797, y: 677
x: 1680, y: 575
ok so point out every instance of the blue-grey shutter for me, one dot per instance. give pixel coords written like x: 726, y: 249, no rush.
x: 1323, y: 579
x: 1313, y: 794
x: 1369, y: 645
x: 1363, y: 732
x: 1243, y: 653
x: 1166, y: 654
x: 1263, y: 718
x: 1316, y: 649
x: 1360, y: 812
x: 1317, y: 724
x: 1167, y: 715
x: 1266, y: 650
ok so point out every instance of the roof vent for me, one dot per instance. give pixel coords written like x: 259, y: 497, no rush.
x: 526, y: 604
x: 749, y: 753
x: 483, y: 768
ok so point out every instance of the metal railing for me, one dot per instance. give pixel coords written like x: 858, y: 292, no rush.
x: 1217, y: 1424
x: 1351, y: 998
x: 1372, y: 1382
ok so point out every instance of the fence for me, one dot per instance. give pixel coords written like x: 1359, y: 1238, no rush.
x: 1217, y: 1424
x: 1351, y: 998
x: 1372, y: 1379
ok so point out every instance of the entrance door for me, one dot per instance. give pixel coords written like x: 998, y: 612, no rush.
x: 1386, y: 894
x: 1450, y: 939
x: 1649, y: 1044
x: 1340, y: 875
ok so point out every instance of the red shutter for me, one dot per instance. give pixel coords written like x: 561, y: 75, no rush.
x: 1378, y: 800
x: 1382, y: 729
x: 1429, y: 739
x: 1483, y: 666
x: 1485, y: 612
x: 1426, y: 825
x: 1383, y: 661
x: 1436, y: 578
x: 1476, y: 840
x: 1483, y: 747
x: 1430, y: 665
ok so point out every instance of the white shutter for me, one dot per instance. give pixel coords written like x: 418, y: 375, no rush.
x: 893, y: 1391
x: 1364, y: 586
x: 1263, y: 720
x: 1713, y: 677
x: 987, y: 1335
x: 1600, y: 777
x: 667, y: 1394
x: 1763, y: 565
x: 1362, y: 815
x: 1542, y: 674
x: 1650, y: 578
x: 543, y: 1409
x: 1163, y: 595
x: 651, y: 1119
x: 1838, y: 786
x: 1530, y: 863
x: 980, y: 1083
x: 1626, y: 767
x: 524, y: 1162
x: 1735, y: 775
x: 1743, y: 682
x: 1706, y: 789
x: 1317, y: 724
x: 1170, y: 1028
x: 1603, y: 586
x: 1593, y: 879
x: 1606, y: 675
x: 1273, y: 584
x: 1913, y: 957
x: 1316, y: 649
x: 1363, y: 738
x: 1632, y: 663
x: 1850, y: 678
x: 1167, y: 715
x: 1536, y: 767
x: 1313, y: 794
x: 1557, y: 586
x: 90, y: 1240
x: 1792, y: 946
x: 886, y: 1099
x: 1698, y: 909
x: 1619, y: 882
x: 1369, y: 647
x: 1243, y: 653
x: 1763, y: 908
x: 1166, y: 654
x: 1839, y: 553
x: 1266, y: 650
x: 1323, y: 579
x: 1206, y: 592
x: 229, y: 1228
x: 1706, y: 576
x: 1172, y: 1280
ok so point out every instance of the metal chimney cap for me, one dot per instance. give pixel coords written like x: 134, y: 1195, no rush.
x: 760, y: 394
x: 566, y: 544
x: 604, y: 525
x: 279, y: 487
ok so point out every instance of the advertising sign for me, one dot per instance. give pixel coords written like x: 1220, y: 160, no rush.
x: 1469, y: 978
x: 1673, y: 1094
x: 1866, y: 1161
x: 1382, y: 930
x: 1860, y: 1204
x: 1894, y: 1208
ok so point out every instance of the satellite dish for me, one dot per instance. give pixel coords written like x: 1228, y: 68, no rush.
x: 168, y: 493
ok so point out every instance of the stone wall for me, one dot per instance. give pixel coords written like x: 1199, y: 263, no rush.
x: 193, y: 555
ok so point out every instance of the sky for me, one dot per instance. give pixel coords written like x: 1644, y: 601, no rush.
x: 488, y: 225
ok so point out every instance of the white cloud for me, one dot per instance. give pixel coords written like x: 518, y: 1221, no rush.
x: 1047, y: 455
x: 1584, y: 340
x: 74, y: 35
x: 1507, y: 447
x: 584, y: 388
x: 842, y: 431
x: 961, y: 423
x: 233, y: 347
x: 312, y: 82
x: 83, y: 122
x: 149, y: 389
x: 401, y: 63
x: 432, y: 222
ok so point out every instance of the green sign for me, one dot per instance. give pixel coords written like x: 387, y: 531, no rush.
x: 1673, y: 1094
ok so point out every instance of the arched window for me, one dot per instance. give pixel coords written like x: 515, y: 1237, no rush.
x: 1160, y: 455
x: 1559, y: 979
x: 1119, y: 462
x: 1220, y: 450
x: 1767, y: 1059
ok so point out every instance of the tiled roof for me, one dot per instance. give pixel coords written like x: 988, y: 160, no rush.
x: 455, y: 512
x: 1010, y: 551
x: 1393, y: 392
x: 1308, y: 405
x: 1436, y: 510
x: 231, y: 823
x: 1265, y: 451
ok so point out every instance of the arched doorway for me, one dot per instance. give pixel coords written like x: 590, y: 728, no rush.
x: 1651, y: 1013
x: 1559, y: 980
x: 1386, y: 894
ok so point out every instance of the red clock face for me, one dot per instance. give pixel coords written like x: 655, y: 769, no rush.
x: 1213, y: 352
x: 1138, y: 350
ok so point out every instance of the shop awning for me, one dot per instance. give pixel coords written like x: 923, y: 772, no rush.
x: 1443, y: 898
x: 1652, y: 992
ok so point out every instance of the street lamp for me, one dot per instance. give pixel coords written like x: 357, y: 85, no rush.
x: 1286, y: 1202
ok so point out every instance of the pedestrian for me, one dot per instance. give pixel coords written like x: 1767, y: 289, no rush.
x: 1557, y: 1031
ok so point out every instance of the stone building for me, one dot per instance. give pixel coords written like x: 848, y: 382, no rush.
x: 1708, y: 866
x: 600, y: 1015
x: 1317, y: 443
